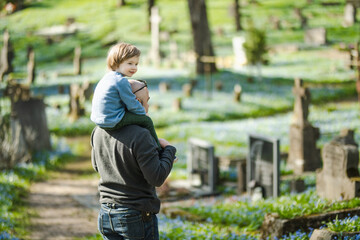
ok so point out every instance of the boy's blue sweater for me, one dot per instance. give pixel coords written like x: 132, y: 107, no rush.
x: 112, y: 96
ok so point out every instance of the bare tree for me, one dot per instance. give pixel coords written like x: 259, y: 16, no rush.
x: 237, y: 15
x: 151, y: 3
x: 201, y: 35
x: 121, y: 3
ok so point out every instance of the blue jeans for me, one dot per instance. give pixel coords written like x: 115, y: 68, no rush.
x: 123, y: 223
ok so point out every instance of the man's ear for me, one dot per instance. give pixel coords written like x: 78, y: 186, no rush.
x: 139, y: 100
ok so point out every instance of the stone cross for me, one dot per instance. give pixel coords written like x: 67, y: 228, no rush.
x: 303, y: 154
x: 301, y: 105
x: 155, y: 20
x: 339, y: 179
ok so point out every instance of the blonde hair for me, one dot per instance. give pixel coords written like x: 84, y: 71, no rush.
x: 119, y: 53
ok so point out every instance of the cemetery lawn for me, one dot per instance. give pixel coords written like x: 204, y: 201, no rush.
x: 265, y: 106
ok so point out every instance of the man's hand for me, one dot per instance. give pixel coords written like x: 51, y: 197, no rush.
x: 163, y: 142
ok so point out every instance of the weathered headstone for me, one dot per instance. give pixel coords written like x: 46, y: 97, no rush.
x: 164, y: 87
x: 32, y: 117
x: 237, y: 93
x: 275, y: 22
x: 187, y: 89
x: 77, y: 60
x: 155, y: 20
x: 315, y: 36
x: 339, y: 179
x: 177, y: 104
x: 349, y: 15
x: 219, y: 85
x: 263, y: 166
x: 13, y: 148
x: 31, y: 66
x: 174, y: 55
x: 202, y: 163
x: 75, y: 107
x: 7, y: 56
x: 303, y: 154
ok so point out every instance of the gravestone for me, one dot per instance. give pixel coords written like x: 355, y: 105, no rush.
x: 164, y: 87
x: 7, y: 56
x: 315, y: 36
x: 187, y: 89
x: 339, y: 179
x: 239, y: 51
x: 13, y: 149
x: 263, y: 166
x: 155, y: 20
x: 202, y: 163
x: 174, y: 55
x: 349, y: 15
x: 237, y: 93
x: 303, y: 154
x: 31, y: 66
x: 177, y: 104
x: 32, y: 117
x: 76, y: 108
x: 275, y: 22
x: 77, y: 60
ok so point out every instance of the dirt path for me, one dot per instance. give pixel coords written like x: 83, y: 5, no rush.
x: 66, y: 205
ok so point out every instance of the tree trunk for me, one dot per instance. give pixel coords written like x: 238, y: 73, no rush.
x: 121, y: 3
x: 237, y: 15
x: 201, y: 34
x: 151, y: 3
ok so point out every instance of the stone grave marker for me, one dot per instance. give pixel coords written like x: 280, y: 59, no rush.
x: 77, y: 60
x: 237, y: 93
x: 76, y: 108
x: 315, y: 36
x: 164, y: 87
x: 202, y: 163
x: 303, y: 154
x: 177, y: 106
x: 339, y: 179
x: 155, y: 20
x: 32, y: 117
x: 13, y: 148
x: 6, y: 56
x: 31, y: 66
x: 263, y: 166
x: 349, y: 15
x: 187, y: 89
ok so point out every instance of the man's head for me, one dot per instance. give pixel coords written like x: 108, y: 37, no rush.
x: 120, y: 53
x: 139, y: 88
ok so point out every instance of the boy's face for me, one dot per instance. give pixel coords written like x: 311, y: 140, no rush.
x: 129, y: 66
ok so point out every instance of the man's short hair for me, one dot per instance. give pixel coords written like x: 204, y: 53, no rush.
x: 119, y: 53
